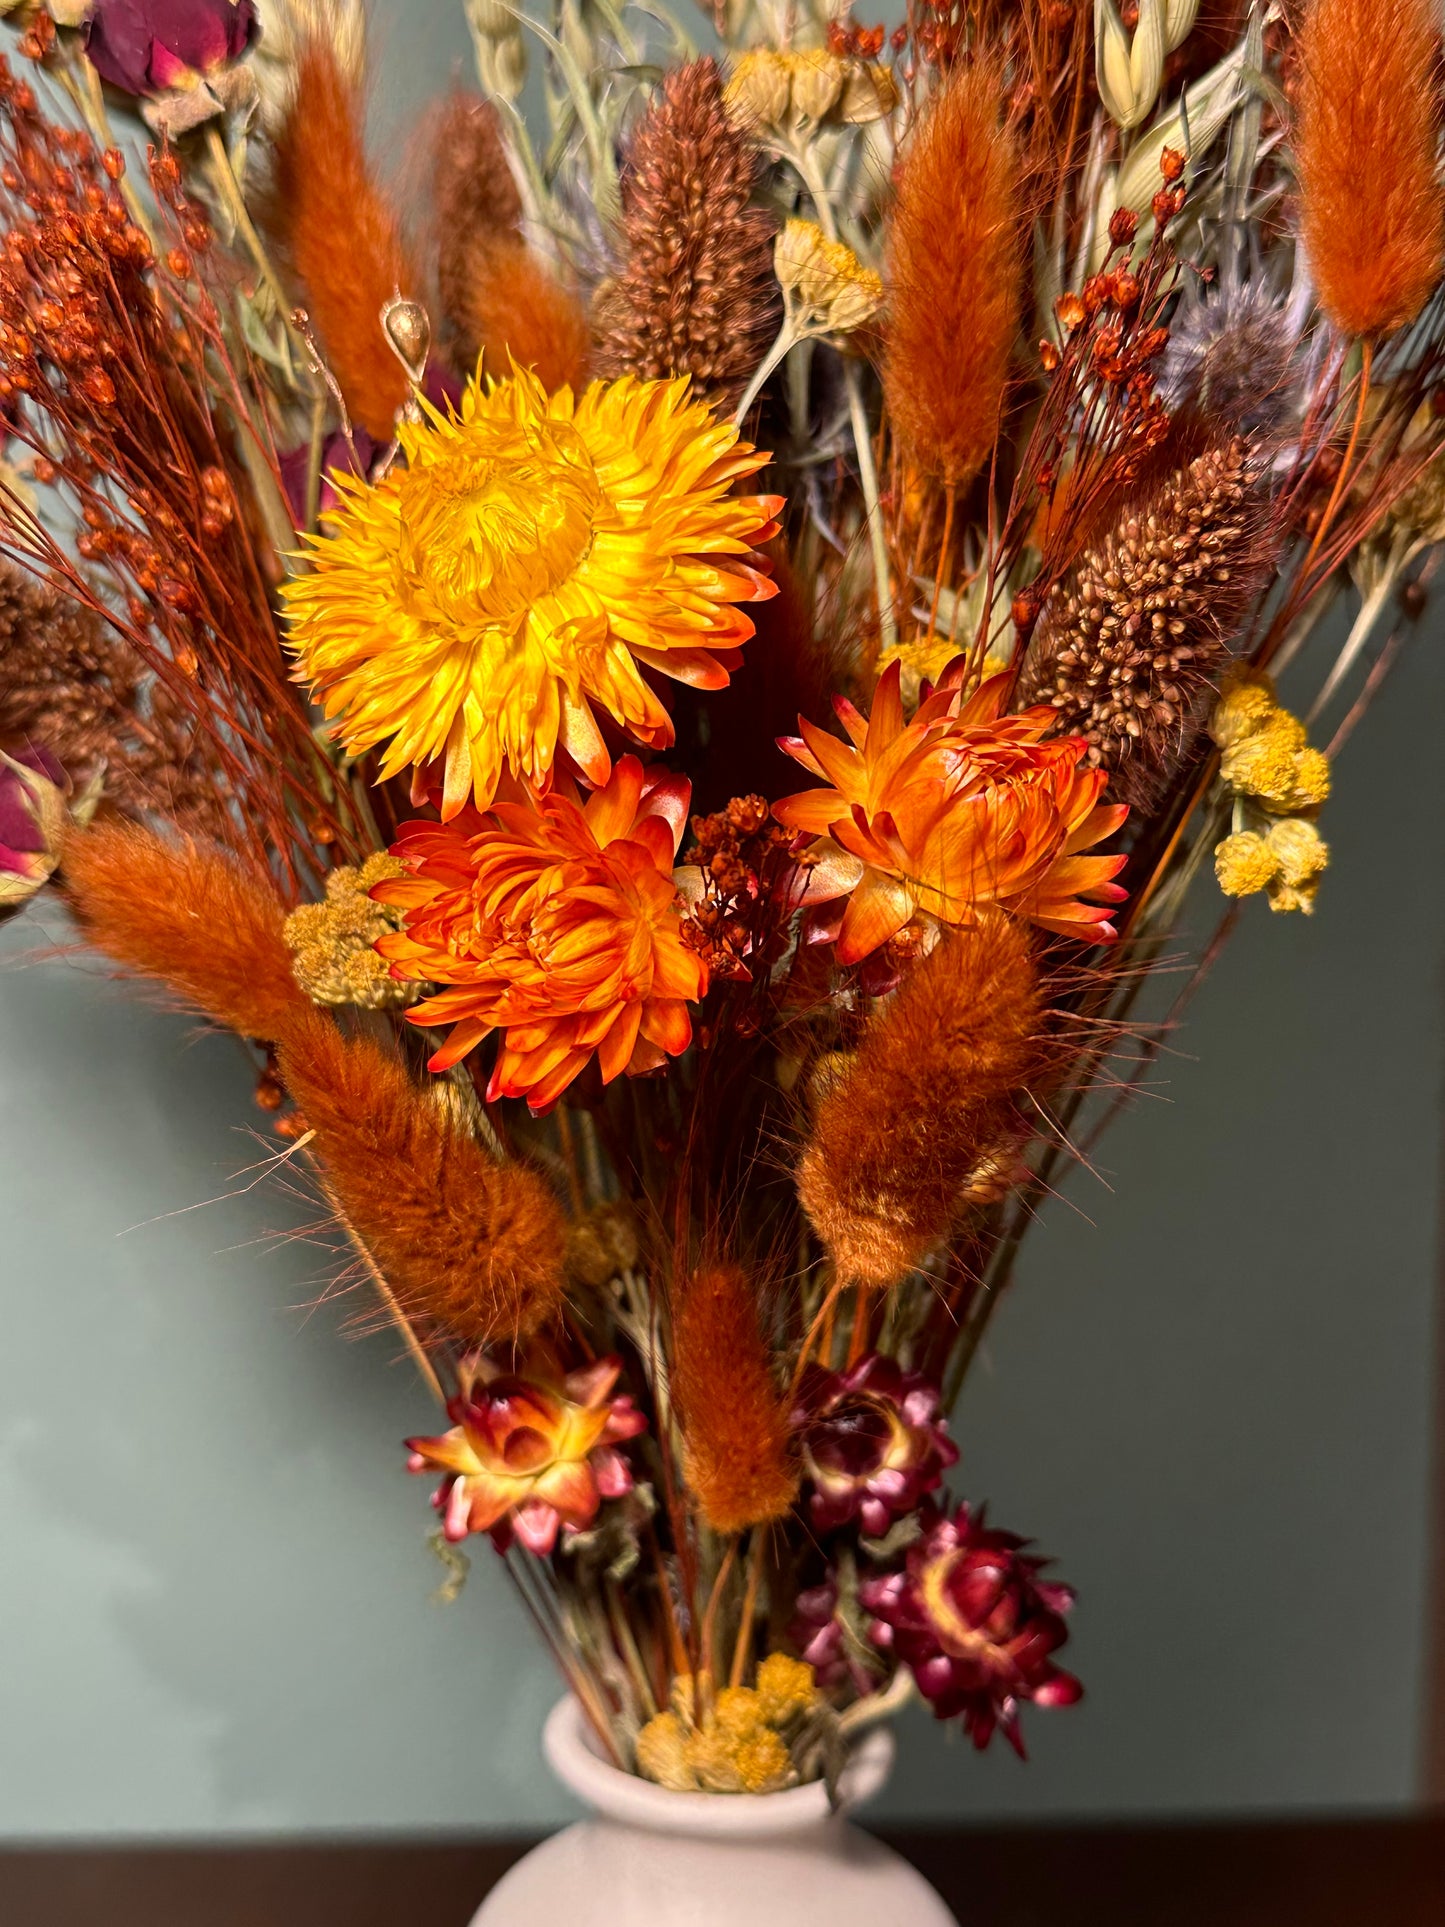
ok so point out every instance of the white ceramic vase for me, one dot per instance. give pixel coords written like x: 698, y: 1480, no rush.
x: 650, y: 1858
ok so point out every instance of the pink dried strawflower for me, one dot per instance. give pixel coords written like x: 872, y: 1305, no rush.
x: 975, y: 1625
x: 527, y: 1456
x: 873, y: 1443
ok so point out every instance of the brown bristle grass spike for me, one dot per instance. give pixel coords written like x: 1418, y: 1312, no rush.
x: 953, y: 275
x: 1372, y: 204
x: 926, y: 1116
x: 188, y: 916
x: 695, y: 292
x: 471, y: 1247
x: 736, y: 1450
x: 341, y: 235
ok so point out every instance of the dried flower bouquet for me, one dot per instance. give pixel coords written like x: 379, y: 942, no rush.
x: 674, y: 696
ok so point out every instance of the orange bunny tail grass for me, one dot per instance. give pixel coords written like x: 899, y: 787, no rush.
x: 469, y: 1246
x: 924, y: 1120
x: 1373, y: 210
x: 341, y: 235
x: 475, y: 205
x: 500, y: 303
x: 736, y: 1446
x: 953, y: 280
x: 188, y: 916
x: 518, y: 310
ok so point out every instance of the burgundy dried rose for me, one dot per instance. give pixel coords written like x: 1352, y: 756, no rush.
x: 975, y: 1625
x: 33, y: 793
x: 145, y: 47
x: 873, y: 1443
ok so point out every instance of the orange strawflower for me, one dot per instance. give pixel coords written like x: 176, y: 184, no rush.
x: 528, y: 1456
x: 960, y: 809
x: 555, y: 922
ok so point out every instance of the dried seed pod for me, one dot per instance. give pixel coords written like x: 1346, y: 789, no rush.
x: 1371, y: 201
x: 953, y: 279
x: 1128, y: 645
x: 471, y: 1246
x: 189, y: 916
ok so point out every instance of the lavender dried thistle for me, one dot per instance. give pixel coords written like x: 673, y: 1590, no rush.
x: 695, y: 293
x: 1129, y: 643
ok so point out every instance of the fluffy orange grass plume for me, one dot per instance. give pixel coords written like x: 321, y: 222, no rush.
x: 519, y: 311
x: 341, y: 235
x: 190, y: 917
x: 736, y: 1453
x: 1373, y: 210
x: 953, y: 279
x: 926, y: 1116
x: 465, y: 1242
x: 500, y: 302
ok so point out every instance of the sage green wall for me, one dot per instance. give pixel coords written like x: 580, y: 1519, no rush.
x: 1209, y: 1397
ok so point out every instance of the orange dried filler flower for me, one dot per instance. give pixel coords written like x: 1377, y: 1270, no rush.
x: 557, y: 923
x: 961, y: 809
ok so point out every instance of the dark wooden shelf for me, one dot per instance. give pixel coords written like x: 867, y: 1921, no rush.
x: 1252, y: 1874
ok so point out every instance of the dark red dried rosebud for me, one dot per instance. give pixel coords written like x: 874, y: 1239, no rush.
x: 873, y: 1442
x: 1123, y: 226
x: 147, y: 46
x: 972, y: 1621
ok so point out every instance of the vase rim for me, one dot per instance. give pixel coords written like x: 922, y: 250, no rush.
x: 573, y: 1755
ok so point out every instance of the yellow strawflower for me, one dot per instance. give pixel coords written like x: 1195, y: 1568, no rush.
x: 531, y: 558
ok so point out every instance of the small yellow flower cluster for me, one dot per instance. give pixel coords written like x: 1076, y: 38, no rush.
x: 331, y: 941
x: 827, y: 288
x: 768, y: 89
x: 739, y: 1745
x: 1278, y: 781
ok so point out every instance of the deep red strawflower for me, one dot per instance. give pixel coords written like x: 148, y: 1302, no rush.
x: 972, y: 1621
x: 873, y: 1443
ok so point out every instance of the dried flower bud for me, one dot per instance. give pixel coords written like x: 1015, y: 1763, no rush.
x: 32, y: 823
x: 1123, y: 226
x: 828, y: 287
x: 759, y: 89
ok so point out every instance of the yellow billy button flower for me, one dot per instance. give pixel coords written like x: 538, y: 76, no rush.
x: 531, y: 558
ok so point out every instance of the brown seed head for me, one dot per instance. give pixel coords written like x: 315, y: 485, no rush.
x: 694, y: 293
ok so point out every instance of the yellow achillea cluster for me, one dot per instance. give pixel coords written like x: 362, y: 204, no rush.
x: 1278, y: 781
x: 332, y: 957
x: 739, y: 1744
